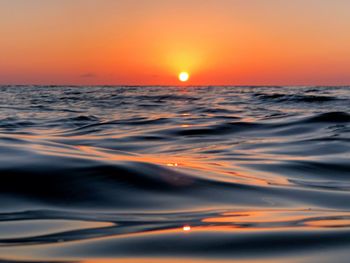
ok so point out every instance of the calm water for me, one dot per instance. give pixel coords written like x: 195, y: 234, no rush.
x: 117, y: 174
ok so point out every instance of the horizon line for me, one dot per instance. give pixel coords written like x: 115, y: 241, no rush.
x: 160, y: 85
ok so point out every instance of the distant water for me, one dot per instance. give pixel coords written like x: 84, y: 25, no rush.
x: 255, y: 174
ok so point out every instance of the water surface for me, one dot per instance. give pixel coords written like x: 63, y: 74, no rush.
x: 117, y: 174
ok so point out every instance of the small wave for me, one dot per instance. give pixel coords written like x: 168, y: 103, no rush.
x: 278, y: 97
x: 224, y: 234
x: 331, y: 117
x: 13, y: 124
x: 226, y: 128
x: 160, y: 98
x: 326, y: 184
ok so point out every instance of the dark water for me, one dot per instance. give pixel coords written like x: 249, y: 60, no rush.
x: 114, y: 174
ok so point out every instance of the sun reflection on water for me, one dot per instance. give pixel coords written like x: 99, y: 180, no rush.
x: 187, y: 228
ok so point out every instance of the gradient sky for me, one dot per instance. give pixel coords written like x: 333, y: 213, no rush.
x: 230, y: 42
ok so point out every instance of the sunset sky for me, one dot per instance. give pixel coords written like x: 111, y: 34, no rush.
x: 149, y: 42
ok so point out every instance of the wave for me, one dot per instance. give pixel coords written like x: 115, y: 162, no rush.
x: 280, y: 97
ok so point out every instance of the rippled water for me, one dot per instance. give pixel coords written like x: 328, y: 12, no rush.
x: 174, y: 174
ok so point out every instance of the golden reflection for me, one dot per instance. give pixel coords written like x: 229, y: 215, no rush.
x: 203, y: 166
x: 341, y: 222
x: 172, y: 164
x: 186, y: 228
x: 266, y: 216
x: 259, y: 219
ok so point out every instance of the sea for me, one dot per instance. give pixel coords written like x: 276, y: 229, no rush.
x: 174, y: 174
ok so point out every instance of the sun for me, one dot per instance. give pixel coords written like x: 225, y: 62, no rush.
x: 184, y: 76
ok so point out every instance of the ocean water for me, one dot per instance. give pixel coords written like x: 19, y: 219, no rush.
x: 174, y: 174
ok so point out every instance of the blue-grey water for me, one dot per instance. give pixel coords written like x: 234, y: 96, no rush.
x: 174, y: 174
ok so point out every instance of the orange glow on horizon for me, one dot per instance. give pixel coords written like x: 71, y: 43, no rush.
x: 180, y: 260
x: 221, y: 42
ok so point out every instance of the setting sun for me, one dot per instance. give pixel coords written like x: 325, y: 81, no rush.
x: 184, y: 76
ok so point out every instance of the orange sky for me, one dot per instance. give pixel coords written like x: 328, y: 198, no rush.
x: 135, y: 42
